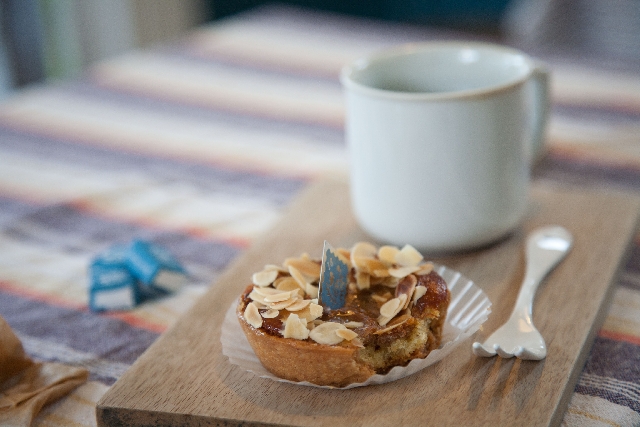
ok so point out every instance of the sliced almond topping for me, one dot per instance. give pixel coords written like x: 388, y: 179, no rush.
x: 279, y: 297
x: 295, y: 328
x: 379, y: 298
x: 406, y: 287
x: 299, y: 278
x: 310, y: 312
x: 363, y: 280
x: 305, y: 266
x: 408, y: 257
x: 380, y: 273
x: 368, y: 265
x: 391, y: 307
x: 274, y: 267
x: 346, y: 334
x: 257, y: 297
x: 357, y: 342
x: 264, y: 277
x: 252, y: 315
x: 353, y: 325
x: 270, y: 314
x: 298, y: 305
x: 287, y: 283
x: 283, y: 304
x: 425, y: 269
x: 315, y: 310
x: 311, y: 290
x: 387, y: 329
x: 362, y: 250
x: 403, y: 271
x: 388, y: 254
x: 419, y: 293
x: 266, y: 291
x: 326, y: 333
x: 261, y: 305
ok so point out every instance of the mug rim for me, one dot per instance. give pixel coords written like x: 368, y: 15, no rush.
x: 348, y: 70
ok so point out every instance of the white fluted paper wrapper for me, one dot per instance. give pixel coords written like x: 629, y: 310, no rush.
x: 468, y: 309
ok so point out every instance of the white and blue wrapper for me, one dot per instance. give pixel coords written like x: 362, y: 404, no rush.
x: 112, y: 288
x: 155, y: 267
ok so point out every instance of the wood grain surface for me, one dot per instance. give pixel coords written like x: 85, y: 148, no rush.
x: 183, y: 378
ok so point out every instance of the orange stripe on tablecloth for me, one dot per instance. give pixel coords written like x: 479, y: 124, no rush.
x: 127, y: 317
x: 617, y: 336
x: 193, y: 232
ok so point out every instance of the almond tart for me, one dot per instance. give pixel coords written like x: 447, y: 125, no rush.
x: 394, y: 312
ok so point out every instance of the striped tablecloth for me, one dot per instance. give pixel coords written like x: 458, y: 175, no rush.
x: 199, y: 146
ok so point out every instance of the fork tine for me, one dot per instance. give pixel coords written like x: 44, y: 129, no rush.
x: 481, y: 350
x: 507, y: 354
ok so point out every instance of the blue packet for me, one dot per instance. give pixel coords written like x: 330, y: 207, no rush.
x: 154, y: 266
x: 112, y: 287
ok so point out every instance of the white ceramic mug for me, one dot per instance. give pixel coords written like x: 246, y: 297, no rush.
x: 441, y: 139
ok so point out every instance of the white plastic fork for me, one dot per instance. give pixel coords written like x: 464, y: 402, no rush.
x: 545, y: 248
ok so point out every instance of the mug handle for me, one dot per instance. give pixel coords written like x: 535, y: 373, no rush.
x: 541, y: 110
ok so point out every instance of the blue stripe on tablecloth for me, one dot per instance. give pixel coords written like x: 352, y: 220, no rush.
x: 276, y: 189
x: 72, y: 230
x: 104, y: 337
x: 583, y: 173
x: 617, y: 366
x: 596, y: 113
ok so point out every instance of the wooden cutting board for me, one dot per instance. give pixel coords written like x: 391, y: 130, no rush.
x: 184, y: 379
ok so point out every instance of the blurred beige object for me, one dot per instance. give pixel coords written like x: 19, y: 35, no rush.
x: 26, y: 386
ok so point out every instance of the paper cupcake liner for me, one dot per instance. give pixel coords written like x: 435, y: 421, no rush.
x: 468, y: 309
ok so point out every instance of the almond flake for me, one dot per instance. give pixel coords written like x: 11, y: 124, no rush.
x: 252, y: 315
x: 387, y: 329
x: 274, y: 267
x: 326, y: 333
x: 257, y: 297
x: 379, y: 298
x: 270, y: 314
x: 353, y: 325
x: 406, y: 287
x: 264, y: 278
x: 363, y: 280
x: 287, y: 283
x: 295, y: 328
x: 346, y: 334
x: 266, y: 291
x: 304, y: 265
x: 362, y: 250
x: 312, y: 290
x: 419, y: 293
x: 388, y: 254
x: 279, y: 297
x: 299, y: 278
x: 283, y: 304
x: 402, y: 271
x: 425, y: 269
x: 368, y: 265
x: 298, y: 305
x: 408, y: 256
x: 391, y: 307
x: 310, y: 312
x: 357, y: 342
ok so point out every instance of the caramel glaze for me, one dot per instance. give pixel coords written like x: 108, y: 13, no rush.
x: 361, y: 307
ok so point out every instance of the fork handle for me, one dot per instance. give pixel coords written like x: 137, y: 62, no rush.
x: 540, y: 260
